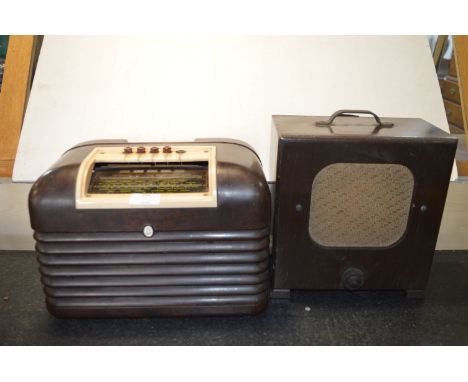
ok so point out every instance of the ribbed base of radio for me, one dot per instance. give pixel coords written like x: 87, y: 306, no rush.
x: 134, y: 307
x: 94, y: 276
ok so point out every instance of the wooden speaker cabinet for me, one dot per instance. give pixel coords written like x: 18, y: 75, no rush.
x: 358, y: 201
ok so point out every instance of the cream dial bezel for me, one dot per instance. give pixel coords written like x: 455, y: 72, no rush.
x: 115, y: 154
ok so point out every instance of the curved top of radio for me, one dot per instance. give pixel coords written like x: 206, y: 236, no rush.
x: 241, y: 200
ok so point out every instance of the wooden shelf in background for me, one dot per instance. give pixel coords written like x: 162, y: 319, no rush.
x: 13, y: 98
x: 461, y: 58
x: 461, y: 156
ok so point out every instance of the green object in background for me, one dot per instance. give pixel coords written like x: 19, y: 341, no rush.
x: 3, y: 46
x: 3, y: 52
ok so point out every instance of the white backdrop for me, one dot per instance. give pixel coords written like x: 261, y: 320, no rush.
x: 163, y: 89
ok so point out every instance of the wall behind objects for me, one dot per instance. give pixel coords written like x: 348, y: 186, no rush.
x: 163, y: 89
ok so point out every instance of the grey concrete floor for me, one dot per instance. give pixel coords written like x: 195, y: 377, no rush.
x: 334, y: 318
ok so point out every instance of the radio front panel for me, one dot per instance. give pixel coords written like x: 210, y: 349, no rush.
x: 148, y: 177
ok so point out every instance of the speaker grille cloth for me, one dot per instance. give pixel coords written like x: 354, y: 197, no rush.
x: 360, y: 204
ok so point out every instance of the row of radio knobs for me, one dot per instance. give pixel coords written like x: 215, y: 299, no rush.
x: 152, y: 150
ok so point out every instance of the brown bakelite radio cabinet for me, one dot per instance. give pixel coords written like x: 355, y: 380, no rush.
x: 128, y: 230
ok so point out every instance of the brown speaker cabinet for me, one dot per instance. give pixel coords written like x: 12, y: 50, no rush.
x: 358, y: 201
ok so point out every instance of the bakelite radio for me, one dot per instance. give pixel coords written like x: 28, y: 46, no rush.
x: 143, y: 229
x: 153, y: 229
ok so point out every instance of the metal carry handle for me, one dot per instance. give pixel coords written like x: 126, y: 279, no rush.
x: 352, y: 113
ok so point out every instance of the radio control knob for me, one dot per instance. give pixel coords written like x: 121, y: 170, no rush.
x: 154, y: 150
x: 128, y: 150
x: 167, y: 149
x: 141, y: 150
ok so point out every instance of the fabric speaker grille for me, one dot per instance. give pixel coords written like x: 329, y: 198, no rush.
x: 360, y: 204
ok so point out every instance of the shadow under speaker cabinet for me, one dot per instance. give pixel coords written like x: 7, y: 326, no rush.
x: 358, y: 201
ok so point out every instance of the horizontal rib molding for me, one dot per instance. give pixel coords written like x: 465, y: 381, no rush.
x: 172, y: 273
x: 152, y: 258
x: 81, y: 281
x: 158, y: 236
x: 153, y: 270
x: 155, y: 301
x: 158, y: 291
x: 152, y: 247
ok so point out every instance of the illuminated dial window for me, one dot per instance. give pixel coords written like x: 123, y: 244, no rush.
x: 154, y: 178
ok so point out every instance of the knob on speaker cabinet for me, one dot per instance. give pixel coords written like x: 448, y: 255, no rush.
x: 352, y: 278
